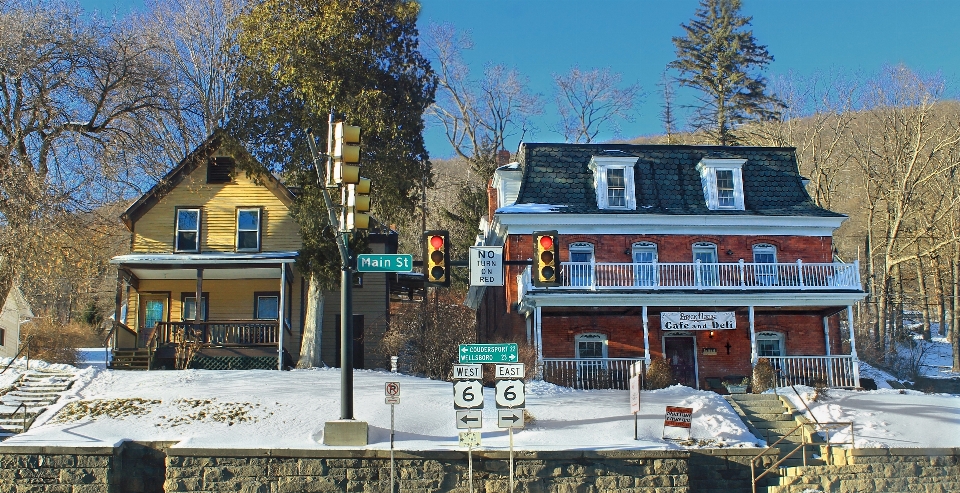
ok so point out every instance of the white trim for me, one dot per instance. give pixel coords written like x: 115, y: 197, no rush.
x: 177, y: 230
x: 599, y: 165
x: 770, y: 335
x: 742, y: 224
x: 258, y: 231
x: 538, y: 331
x: 590, y: 337
x: 753, y: 337
x: 708, y: 179
x: 826, y: 333
x: 614, y: 298
x: 646, y: 336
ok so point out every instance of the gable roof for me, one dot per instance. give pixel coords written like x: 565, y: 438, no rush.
x: 666, y: 179
x: 219, y: 138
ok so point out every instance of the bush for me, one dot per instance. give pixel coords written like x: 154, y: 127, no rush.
x: 763, y: 376
x: 659, y: 374
x: 54, y: 342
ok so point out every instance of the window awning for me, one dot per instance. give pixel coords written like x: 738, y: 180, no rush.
x: 216, y: 265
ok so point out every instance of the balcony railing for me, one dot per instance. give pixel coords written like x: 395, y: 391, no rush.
x: 590, y: 373
x: 830, y: 371
x: 724, y: 276
x: 219, y: 333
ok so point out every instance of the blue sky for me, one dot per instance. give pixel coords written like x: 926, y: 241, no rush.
x: 633, y: 37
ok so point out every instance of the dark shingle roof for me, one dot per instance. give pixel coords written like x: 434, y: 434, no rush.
x: 666, y: 179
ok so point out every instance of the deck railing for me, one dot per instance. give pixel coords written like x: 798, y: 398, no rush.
x: 220, y: 333
x: 727, y: 276
x: 590, y: 373
x: 831, y: 371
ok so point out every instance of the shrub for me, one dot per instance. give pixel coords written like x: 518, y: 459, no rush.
x: 659, y: 374
x: 763, y: 376
x: 54, y: 342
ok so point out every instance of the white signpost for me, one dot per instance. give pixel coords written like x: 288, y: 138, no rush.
x: 486, y: 266
x: 511, y: 399
x: 510, y: 394
x: 468, y: 394
x: 467, y: 372
x: 512, y: 371
x: 392, y: 392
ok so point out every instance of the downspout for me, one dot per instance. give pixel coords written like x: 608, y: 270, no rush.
x: 753, y: 339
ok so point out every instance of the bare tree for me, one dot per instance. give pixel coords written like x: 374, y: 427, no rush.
x: 589, y: 101
x: 74, y: 94
x: 668, y: 114
x: 477, y: 115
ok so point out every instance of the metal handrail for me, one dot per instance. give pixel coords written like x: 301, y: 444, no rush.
x: 803, y: 444
x: 26, y: 347
x: 23, y: 428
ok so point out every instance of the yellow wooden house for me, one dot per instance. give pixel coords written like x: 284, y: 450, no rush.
x: 212, y: 232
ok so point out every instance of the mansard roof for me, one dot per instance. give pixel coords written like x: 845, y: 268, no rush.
x: 666, y: 179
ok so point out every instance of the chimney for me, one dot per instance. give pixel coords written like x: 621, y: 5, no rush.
x: 492, y: 202
x: 503, y: 157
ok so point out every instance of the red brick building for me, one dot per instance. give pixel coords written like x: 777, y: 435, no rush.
x: 710, y: 257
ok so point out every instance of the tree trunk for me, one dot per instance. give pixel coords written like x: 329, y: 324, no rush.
x: 312, y: 326
x: 938, y: 283
x: 924, y: 304
x: 954, y: 315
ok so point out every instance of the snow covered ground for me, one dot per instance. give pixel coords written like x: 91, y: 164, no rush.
x: 286, y: 410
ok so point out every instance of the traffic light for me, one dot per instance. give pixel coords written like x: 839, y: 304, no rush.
x: 346, y: 153
x: 356, y: 204
x: 546, y: 258
x: 436, y: 258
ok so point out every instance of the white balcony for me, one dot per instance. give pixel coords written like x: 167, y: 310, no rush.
x: 591, y: 373
x: 831, y: 371
x: 742, y: 276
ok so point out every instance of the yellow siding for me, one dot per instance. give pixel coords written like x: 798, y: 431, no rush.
x: 154, y: 231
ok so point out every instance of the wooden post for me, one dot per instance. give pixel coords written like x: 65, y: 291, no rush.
x: 280, y: 314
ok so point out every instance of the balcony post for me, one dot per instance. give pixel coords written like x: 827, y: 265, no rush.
x: 743, y: 282
x: 197, y: 306
x: 280, y: 313
x: 538, y: 333
x: 646, y: 337
x: 800, y: 274
x: 826, y: 337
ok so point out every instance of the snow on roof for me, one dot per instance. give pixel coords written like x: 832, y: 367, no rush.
x: 203, y: 258
x: 529, y: 208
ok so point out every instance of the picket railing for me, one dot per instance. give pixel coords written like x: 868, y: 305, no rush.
x: 221, y: 332
x: 590, y: 373
x: 697, y: 275
x: 831, y: 371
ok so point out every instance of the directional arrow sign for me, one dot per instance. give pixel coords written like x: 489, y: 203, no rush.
x: 468, y: 394
x: 510, y: 394
x: 470, y: 418
x: 488, y: 353
x: 510, y: 418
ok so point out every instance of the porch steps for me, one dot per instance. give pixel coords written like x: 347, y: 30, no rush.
x: 770, y: 419
x: 35, y: 390
x: 130, y: 359
x: 868, y: 478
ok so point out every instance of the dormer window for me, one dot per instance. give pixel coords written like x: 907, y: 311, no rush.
x: 722, y: 181
x: 614, y: 182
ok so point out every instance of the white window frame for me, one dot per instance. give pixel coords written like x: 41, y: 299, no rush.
x: 587, y: 370
x: 771, y: 336
x: 708, y: 178
x: 706, y: 275
x: 580, y: 274
x: 766, y: 275
x: 256, y: 306
x: 600, y: 165
x: 257, y: 231
x: 645, y: 273
x: 591, y: 337
x: 177, y: 230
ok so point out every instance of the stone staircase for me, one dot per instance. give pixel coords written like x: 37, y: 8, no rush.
x: 29, y: 397
x: 130, y: 359
x: 771, y: 418
x: 924, y: 475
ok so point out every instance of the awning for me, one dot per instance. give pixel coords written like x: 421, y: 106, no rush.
x: 216, y: 265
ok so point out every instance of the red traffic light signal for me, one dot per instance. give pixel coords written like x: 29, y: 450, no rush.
x: 546, y: 259
x: 437, y: 258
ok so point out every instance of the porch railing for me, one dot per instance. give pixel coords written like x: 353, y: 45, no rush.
x: 831, y: 371
x: 727, y: 276
x: 220, y: 333
x: 590, y: 373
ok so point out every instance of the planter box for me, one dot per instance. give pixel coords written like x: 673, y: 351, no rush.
x: 737, y: 389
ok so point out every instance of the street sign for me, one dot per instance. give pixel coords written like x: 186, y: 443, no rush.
x: 469, y: 439
x: 467, y: 372
x: 488, y: 353
x: 393, y: 399
x: 510, y: 418
x: 468, y: 394
x: 470, y: 418
x: 486, y: 266
x: 392, y: 389
x: 679, y: 417
x: 635, y: 394
x: 510, y: 394
x: 384, y: 262
x: 512, y: 372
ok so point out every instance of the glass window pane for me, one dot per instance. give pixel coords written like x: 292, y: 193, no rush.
x: 187, y: 219
x: 248, y: 220
x: 591, y: 349
x: 268, y: 307
x: 187, y: 240
x: 615, y: 178
x: 725, y: 188
x: 247, y: 240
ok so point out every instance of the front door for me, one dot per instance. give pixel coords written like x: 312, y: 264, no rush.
x: 153, y: 309
x: 682, y: 357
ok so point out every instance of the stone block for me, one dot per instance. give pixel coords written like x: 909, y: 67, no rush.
x: 216, y: 474
x: 345, y: 433
x: 83, y: 476
x: 312, y: 467
x: 184, y: 472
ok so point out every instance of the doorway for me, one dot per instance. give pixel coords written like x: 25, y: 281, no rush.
x: 681, y: 354
x: 153, y: 310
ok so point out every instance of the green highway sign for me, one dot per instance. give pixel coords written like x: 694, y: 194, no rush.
x: 488, y: 353
x: 384, y: 262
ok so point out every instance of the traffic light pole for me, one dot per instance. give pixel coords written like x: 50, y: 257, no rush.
x: 346, y: 279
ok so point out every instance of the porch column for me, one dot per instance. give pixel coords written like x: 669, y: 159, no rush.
x: 753, y: 339
x: 646, y: 337
x: 826, y: 337
x: 199, y: 299
x: 121, y: 285
x: 538, y: 333
x: 853, y: 347
x: 280, y: 315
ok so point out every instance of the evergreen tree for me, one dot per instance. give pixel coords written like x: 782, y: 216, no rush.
x: 360, y: 58
x: 720, y: 57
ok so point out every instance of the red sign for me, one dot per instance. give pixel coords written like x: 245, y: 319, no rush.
x: 392, y: 389
x: 679, y: 417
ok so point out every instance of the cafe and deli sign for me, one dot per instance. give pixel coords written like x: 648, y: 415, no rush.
x: 698, y: 320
